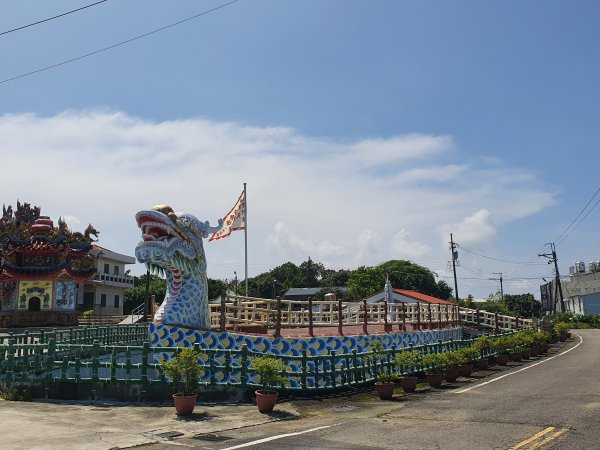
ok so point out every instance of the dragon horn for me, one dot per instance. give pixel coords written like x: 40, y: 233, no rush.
x: 210, y: 229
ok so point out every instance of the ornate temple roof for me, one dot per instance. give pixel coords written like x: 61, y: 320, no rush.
x: 30, y: 245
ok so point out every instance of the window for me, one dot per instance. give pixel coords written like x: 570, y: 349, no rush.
x: 116, y: 270
x: 117, y: 299
x: 106, y: 268
x: 103, y: 300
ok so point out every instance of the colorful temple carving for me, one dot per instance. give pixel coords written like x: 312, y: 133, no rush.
x: 41, y: 266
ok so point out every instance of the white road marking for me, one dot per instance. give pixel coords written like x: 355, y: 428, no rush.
x: 278, y: 436
x: 520, y: 370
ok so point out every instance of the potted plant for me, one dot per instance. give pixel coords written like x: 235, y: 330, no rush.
x: 466, y: 356
x: 184, y: 371
x: 562, y: 330
x: 483, y: 346
x: 501, y: 346
x: 271, y: 372
x: 408, y: 361
x: 434, y: 366
x: 454, y: 359
x: 384, y: 382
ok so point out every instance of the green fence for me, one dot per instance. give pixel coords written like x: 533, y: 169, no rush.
x: 109, y: 334
x: 49, y: 363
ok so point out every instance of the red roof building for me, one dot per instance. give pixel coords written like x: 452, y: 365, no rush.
x: 406, y: 296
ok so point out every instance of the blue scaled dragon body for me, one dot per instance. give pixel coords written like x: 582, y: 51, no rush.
x: 172, y: 245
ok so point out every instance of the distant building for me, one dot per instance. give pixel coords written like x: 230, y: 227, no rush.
x: 104, y: 293
x: 581, y: 290
x: 301, y: 294
x: 406, y: 296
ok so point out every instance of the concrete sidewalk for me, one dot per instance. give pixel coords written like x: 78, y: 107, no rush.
x: 103, y: 425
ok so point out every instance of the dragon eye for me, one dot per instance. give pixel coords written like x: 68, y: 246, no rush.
x: 184, y: 222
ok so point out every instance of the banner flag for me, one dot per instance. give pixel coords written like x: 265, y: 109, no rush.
x: 234, y: 220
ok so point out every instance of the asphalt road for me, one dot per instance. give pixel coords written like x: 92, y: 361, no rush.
x: 549, y: 402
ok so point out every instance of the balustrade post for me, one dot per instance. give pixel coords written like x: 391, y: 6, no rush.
x: 222, y: 318
x: 278, y: 318
x: 418, y: 305
x: 235, y: 309
x: 478, y: 319
x: 496, y: 323
x: 448, y: 315
x: 517, y: 324
x: 310, y: 317
x: 403, y: 316
x: 429, y: 316
x: 439, y: 316
x: 340, y: 320
x: 385, y: 316
x: 365, y: 318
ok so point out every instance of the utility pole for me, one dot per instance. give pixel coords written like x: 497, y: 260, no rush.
x: 501, y: 287
x: 454, y: 258
x: 553, y: 259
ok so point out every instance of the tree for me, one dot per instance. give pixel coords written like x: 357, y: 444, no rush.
x: 366, y: 281
x: 135, y: 296
x: 522, y: 305
x: 216, y: 288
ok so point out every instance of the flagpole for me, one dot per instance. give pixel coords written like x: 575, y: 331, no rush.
x: 246, y: 237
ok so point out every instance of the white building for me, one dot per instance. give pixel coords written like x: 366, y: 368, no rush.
x: 581, y: 290
x: 104, y: 294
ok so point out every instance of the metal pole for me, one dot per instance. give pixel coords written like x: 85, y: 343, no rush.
x: 454, y: 257
x: 147, y: 299
x: 246, y: 238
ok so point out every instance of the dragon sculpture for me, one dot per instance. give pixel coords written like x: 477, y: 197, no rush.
x: 172, y: 244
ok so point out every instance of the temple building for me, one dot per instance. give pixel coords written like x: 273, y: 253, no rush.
x: 42, y: 267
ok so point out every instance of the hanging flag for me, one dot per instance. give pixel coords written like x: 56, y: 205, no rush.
x: 234, y: 220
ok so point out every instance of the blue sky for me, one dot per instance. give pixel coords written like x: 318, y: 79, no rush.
x: 365, y: 130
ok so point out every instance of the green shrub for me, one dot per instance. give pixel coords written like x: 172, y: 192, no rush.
x: 16, y: 394
x: 436, y: 361
x: 467, y: 354
x: 270, y: 370
x: 408, y: 360
x: 502, y: 345
x: 561, y: 328
x: 184, y: 371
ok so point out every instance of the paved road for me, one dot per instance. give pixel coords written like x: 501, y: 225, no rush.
x: 556, y: 398
x: 552, y: 402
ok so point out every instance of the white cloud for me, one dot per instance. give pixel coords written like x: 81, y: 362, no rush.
x: 346, y: 203
x: 407, y: 249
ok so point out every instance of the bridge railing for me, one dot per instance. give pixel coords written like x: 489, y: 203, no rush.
x: 278, y: 314
x: 494, y: 321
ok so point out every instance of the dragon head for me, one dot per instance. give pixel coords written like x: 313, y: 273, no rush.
x: 172, y: 240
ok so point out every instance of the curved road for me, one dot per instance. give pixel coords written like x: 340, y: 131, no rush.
x: 549, y: 402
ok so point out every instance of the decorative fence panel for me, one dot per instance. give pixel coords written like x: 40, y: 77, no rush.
x: 52, y: 362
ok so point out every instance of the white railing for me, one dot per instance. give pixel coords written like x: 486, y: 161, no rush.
x: 236, y: 311
x: 485, y: 319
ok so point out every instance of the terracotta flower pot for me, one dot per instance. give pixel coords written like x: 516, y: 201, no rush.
x: 435, y: 379
x: 534, y: 351
x: 502, y: 360
x: 483, y: 363
x: 184, y: 404
x: 265, y: 400
x: 451, y: 375
x: 515, y: 356
x: 409, y: 384
x: 385, y: 390
x: 465, y: 370
x: 562, y: 337
x: 525, y: 354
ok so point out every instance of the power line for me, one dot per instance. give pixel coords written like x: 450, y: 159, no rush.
x: 118, y: 44
x: 51, y: 18
x: 562, y: 236
x: 498, y: 259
